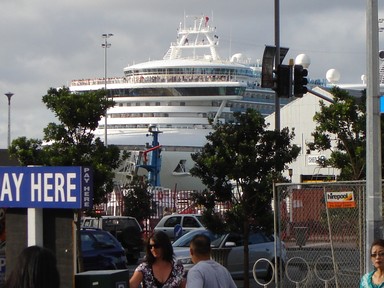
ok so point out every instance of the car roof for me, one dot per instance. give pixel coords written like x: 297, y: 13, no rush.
x: 180, y: 214
x: 109, y: 217
x: 188, y: 237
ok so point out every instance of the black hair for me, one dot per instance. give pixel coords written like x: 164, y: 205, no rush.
x: 201, y: 244
x: 162, y: 240
x: 377, y: 242
x: 36, y: 268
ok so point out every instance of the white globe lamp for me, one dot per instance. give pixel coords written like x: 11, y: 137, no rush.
x: 333, y: 76
x: 304, y: 60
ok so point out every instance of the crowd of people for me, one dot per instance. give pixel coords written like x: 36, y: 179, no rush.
x: 160, y: 269
x: 37, y: 267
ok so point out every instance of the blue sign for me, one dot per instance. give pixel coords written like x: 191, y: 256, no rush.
x: 381, y: 104
x: 68, y: 187
x: 177, y: 231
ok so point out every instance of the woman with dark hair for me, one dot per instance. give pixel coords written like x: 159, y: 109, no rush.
x: 375, y: 278
x: 36, y: 268
x: 160, y: 269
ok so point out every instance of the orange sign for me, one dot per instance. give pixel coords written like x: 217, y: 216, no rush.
x: 340, y: 199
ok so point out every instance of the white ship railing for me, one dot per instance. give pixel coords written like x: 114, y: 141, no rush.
x: 162, y: 79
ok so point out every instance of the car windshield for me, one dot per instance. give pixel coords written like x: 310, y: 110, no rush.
x: 186, y: 239
x: 200, y: 218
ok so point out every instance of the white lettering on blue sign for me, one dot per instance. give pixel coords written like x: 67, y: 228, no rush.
x: 49, y: 187
x: 46, y: 187
x: 87, y: 188
x: 6, y: 188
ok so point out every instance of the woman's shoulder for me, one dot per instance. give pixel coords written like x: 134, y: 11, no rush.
x: 365, y: 281
x: 177, y: 265
x: 143, y: 266
x: 177, y: 262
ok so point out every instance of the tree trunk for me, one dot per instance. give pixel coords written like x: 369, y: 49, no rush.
x: 246, y: 253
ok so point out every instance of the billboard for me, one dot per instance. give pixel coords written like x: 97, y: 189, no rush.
x: 69, y: 187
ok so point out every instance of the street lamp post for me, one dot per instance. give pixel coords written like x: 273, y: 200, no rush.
x: 105, y: 45
x: 9, y: 95
x: 290, y: 173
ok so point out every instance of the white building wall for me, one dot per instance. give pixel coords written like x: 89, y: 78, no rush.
x: 299, y: 115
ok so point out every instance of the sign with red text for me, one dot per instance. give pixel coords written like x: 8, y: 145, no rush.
x: 340, y: 199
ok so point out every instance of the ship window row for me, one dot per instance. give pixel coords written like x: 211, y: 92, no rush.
x: 256, y: 95
x: 145, y: 126
x: 259, y: 107
x: 157, y: 115
x: 167, y: 103
x: 251, y: 83
x: 180, y: 91
x: 190, y: 70
x: 232, y: 104
x: 250, y: 80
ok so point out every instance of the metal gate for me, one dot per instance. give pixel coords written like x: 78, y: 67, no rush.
x: 324, y: 239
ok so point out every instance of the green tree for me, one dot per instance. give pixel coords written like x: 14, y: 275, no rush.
x: 238, y: 164
x: 72, y: 142
x: 138, y: 199
x: 341, y: 129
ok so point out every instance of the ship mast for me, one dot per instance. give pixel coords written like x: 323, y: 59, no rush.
x: 192, y: 39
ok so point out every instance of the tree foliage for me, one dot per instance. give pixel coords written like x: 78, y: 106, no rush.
x: 341, y: 129
x: 238, y: 165
x: 72, y: 142
x: 138, y: 199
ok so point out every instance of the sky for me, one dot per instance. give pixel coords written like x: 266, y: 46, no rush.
x: 48, y: 43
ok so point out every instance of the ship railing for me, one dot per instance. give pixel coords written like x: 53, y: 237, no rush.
x: 162, y: 79
x: 205, y: 29
x: 98, y: 81
x: 191, y: 44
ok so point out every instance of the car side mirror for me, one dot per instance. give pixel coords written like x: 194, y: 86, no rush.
x: 230, y: 244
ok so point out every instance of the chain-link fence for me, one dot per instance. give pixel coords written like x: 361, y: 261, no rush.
x: 322, y: 226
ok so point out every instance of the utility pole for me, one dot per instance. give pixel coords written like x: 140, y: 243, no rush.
x: 105, y: 45
x: 373, y: 156
x: 9, y: 96
x: 277, y: 61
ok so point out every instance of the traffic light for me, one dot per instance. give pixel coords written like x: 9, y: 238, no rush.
x: 299, y: 80
x: 283, y: 80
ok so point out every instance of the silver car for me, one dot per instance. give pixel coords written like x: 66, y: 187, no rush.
x: 260, y: 246
x: 186, y: 222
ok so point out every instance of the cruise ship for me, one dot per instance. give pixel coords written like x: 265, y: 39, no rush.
x: 178, y: 95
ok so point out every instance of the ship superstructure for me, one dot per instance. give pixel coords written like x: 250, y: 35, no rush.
x: 179, y: 94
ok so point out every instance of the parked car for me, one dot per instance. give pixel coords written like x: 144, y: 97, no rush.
x: 126, y: 229
x: 101, y: 251
x: 188, y: 222
x: 261, y: 245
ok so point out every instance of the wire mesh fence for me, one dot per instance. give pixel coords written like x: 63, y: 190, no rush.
x: 322, y: 225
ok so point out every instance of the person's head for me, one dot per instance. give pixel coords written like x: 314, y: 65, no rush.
x: 377, y: 253
x: 36, y: 268
x: 200, y: 248
x: 159, y: 246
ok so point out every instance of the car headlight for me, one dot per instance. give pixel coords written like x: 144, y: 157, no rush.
x: 186, y: 261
